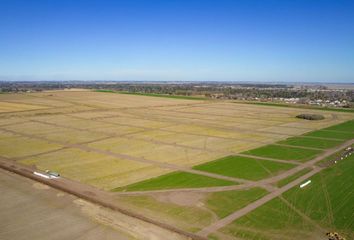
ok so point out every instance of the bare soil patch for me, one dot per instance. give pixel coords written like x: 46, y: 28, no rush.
x: 180, y: 198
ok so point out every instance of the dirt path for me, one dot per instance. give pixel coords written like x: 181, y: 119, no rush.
x: 269, y: 188
x: 241, y: 212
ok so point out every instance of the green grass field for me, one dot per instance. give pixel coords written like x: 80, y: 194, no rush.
x: 328, y: 134
x: 274, y: 220
x: 189, y: 218
x: 194, y: 216
x: 242, y: 167
x: 329, y: 199
x: 310, y: 142
x: 284, y: 153
x: 293, y: 177
x: 345, y: 127
x: 225, y: 203
x: 176, y: 180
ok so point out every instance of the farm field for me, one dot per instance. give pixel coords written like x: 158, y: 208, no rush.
x: 176, y: 180
x: 164, y: 133
x: 13, y: 145
x: 45, y: 211
x: 14, y: 107
x: 225, y: 203
x: 284, y: 153
x: 325, y: 205
x: 186, y: 163
x: 274, y: 220
x: 193, y: 211
x: 329, y: 200
x: 244, y: 167
x: 248, y: 168
x: 171, y: 209
x: 311, y: 142
x: 331, y: 135
x: 92, y: 168
x: 344, y: 127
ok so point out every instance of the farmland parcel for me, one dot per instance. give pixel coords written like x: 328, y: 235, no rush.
x: 188, y: 163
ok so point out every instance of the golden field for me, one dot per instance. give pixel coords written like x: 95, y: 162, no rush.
x: 110, y: 140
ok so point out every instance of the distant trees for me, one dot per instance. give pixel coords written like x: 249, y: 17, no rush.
x: 222, y: 90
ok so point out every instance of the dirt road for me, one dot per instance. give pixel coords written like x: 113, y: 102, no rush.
x: 88, y: 193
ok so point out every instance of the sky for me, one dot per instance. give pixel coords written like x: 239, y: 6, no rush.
x: 193, y: 40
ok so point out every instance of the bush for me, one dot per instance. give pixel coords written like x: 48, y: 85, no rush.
x: 310, y: 116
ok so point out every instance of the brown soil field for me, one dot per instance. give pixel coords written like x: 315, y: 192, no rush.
x: 31, y: 210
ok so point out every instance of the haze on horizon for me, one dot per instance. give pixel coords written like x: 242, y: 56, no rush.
x: 263, y: 40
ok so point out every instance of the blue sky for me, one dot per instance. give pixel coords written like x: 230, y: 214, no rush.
x: 218, y: 40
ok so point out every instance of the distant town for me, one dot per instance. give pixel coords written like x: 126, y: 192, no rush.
x: 321, y: 95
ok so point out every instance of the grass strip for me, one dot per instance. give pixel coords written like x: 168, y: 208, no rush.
x: 154, y: 95
x: 328, y: 134
x: 311, y: 142
x: 176, y: 180
x: 284, y: 153
x: 244, y: 167
x: 225, y: 203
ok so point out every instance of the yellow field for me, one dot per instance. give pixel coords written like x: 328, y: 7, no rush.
x: 14, y: 107
x: 111, y: 140
x: 93, y: 168
x: 13, y: 146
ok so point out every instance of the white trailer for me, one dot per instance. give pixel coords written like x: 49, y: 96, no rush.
x: 305, y: 184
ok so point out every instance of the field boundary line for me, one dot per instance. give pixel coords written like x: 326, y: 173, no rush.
x: 323, y: 138
x: 335, y: 131
x: 38, y: 154
x: 268, y: 159
x: 269, y: 188
x: 294, y: 146
x: 11, y: 124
